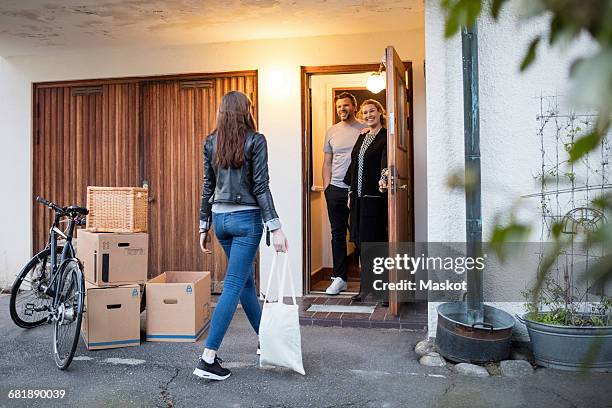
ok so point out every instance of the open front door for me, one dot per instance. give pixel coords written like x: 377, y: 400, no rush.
x: 399, y: 158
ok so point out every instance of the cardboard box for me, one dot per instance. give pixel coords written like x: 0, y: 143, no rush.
x: 112, y: 316
x: 178, y: 306
x: 112, y: 259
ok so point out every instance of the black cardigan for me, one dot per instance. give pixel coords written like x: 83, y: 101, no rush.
x: 368, y: 214
x: 375, y: 160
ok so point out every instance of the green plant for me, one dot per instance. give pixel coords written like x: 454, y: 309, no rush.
x: 554, y: 306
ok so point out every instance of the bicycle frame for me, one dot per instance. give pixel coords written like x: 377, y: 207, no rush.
x: 66, y: 256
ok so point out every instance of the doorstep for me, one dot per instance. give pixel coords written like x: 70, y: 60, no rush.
x: 413, y: 316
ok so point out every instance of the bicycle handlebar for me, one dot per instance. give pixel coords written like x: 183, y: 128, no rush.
x: 72, y: 211
x: 49, y: 204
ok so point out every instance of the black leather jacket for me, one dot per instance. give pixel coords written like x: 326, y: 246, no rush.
x: 248, y: 185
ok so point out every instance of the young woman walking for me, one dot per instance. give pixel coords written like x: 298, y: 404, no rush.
x: 235, y: 199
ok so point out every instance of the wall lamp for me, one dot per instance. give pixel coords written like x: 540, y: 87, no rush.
x: 376, y: 81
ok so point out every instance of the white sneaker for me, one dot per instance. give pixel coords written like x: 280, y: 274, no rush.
x: 337, y: 286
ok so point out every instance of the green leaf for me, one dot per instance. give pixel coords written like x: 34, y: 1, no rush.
x: 460, y: 13
x: 584, y: 145
x: 496, y: 8
x: 451, y: 27
x: 531, y: 53
x: 603, y: 235
x: 512, y: 232
x: 601, y: 202
x: 473, y: 8
x: 454, y: 19
x: 556, y: 229
x: 555, y: 28
x: 544, y: 268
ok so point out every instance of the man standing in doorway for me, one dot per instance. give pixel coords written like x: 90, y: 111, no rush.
x: 339, y: 142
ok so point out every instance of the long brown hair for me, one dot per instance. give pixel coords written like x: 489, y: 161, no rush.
x: 234, y: 120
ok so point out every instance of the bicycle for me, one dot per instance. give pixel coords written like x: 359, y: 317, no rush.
x: 50, y: 289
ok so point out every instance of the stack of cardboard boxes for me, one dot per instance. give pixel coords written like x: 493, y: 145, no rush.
x: 115, y: 265
x: 115, y: 269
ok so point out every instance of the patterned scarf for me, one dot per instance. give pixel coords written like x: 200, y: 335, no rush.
x: 367, y: 141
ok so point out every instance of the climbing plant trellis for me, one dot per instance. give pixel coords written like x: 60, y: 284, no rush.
x: 568, y: 201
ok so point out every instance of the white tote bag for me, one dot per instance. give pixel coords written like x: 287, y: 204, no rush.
x: 279, y: 330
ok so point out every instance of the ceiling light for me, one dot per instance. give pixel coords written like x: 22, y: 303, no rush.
x: 376, y: 81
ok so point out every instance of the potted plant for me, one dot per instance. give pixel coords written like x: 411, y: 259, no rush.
x: 568, y: 330
x: 569, y: 337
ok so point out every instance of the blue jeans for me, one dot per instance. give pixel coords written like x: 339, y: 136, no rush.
x: 239, y: 234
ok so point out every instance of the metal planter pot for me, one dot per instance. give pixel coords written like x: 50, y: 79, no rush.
x: 570, y: 348
x: 485, y: 342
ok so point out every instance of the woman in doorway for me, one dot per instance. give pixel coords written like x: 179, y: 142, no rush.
x: 366, y: 177
x: 235, y: 199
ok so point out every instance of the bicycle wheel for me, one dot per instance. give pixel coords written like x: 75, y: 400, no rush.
x: 68, y: 313
x: 28, y: 305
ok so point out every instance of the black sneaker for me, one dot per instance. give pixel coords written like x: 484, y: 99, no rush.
x: 212, y: 371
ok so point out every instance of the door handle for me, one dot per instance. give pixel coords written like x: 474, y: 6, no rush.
x: 404, y: 187
x: 145, y: 184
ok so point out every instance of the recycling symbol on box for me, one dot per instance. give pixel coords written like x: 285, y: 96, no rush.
x: 134, y: 292
x: 188, y: 290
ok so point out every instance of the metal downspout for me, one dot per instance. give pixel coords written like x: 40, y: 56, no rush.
x: 471, y: 129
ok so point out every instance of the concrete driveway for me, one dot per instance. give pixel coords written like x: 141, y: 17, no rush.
x: 345, y: 367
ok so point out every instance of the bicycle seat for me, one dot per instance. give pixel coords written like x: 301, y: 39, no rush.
x: 73, y: 209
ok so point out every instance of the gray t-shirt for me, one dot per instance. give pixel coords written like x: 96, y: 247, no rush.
x: 339, y: 140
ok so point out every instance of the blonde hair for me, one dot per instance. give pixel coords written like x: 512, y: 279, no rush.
x: 379, y: 107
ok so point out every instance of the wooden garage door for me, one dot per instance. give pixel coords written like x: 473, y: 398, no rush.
x: 177, y: 117
x: 122, y: 134
x: 82, y: 136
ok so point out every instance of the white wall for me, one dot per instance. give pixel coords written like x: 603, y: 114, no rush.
x: 278, y: 62
x: 508, y: 109
x: 15, y: 165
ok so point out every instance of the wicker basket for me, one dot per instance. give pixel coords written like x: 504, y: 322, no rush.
x: 117, y: 209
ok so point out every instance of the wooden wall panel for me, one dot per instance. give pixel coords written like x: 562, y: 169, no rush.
x: 176, y: 121
x: 80, y: 140
x: 121, y: 134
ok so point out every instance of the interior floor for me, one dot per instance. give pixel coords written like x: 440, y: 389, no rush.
x: 320, y: 280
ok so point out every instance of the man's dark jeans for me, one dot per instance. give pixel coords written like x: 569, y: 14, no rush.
x: 337, y: 200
